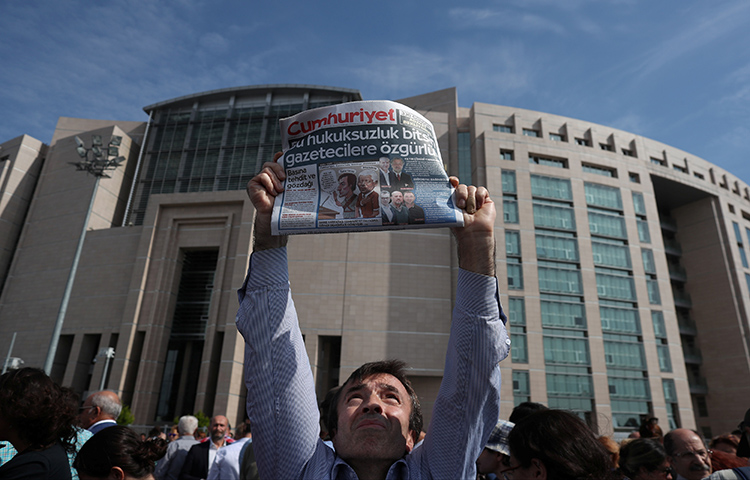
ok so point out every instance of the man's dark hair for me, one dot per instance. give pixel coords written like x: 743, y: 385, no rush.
x: 396, y: 368
x: 524, y: 409
x: 563, y: 443
x: 351, y: 179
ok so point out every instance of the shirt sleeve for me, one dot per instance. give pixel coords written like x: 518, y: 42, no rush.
x: 468, y: 403
x: 281, y: 402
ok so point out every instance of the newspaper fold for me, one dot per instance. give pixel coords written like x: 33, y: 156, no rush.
x: 358, y: 166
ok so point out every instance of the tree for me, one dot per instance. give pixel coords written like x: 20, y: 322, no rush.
x: 126, y: 417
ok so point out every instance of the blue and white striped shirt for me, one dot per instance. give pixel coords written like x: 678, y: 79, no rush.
x: 281, y: 401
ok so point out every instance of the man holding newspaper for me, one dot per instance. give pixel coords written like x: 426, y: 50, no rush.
x: 375, y: 415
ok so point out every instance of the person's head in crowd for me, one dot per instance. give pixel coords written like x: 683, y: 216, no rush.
x: 325, y: 407
x: 385, y: 198
x: 496, y: 454
x: 385, y: 164
x: 116, y: 453
x: 556, y: 445
x: 219, y: 428
x: 644, y: 459
x: 650, y: 429
x: 725, y: 443
x: 612, y: 447
x: 366, y: 182
x: 688, y: 454
x: 397, y: 198
x: 174, y: 433
x: 103, y: 405
x: 187, y: 425
x: 156, y: 431
x: 723, y: 461
x: 398, y: 165
x: 347, y: 184
x: 524, y: 409
x: 375, y: 414
x: 409, y: 199
x: 35, y: 412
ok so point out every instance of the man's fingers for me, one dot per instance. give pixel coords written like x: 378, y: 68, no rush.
x: 471, y: 199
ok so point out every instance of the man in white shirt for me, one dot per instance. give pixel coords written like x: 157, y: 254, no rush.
x: 226, y: 465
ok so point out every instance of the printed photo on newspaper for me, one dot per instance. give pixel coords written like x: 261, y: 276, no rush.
x: 358, y: 166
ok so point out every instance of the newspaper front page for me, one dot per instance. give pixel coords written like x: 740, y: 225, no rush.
x: 357, y: 166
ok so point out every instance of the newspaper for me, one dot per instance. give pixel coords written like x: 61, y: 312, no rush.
x: 358, y: 166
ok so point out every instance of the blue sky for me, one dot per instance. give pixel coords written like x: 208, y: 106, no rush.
x: 675, y: 71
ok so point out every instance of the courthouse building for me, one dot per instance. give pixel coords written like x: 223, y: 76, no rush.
x: 622, y: 263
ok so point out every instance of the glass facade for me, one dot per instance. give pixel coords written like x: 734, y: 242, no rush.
x: 218, y: 142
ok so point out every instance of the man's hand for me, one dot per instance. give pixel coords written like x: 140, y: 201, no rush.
x: 262, y: 191
x: 476, y: 239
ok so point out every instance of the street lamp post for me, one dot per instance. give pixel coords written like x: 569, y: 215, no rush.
x: 97, y: 160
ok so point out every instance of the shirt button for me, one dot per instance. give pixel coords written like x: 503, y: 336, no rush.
x: 507, y: 341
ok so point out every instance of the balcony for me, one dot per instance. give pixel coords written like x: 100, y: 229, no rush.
x: 677, y: 273
x: 692, y: 355
x: 682, y: 298
x: 668, y: 224
x: 687, y: 325
x: 672, y: 247
x: 698, y: 385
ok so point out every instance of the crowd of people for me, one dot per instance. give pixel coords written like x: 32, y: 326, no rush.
x: 45, y: 435
x: 541, y: 443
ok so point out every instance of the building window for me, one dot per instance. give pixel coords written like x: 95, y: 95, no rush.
x: 512, y: 243
x: 509, y: 181
x: 643, y: 234
x: 620, y: 320
x: 530, y: 132
x: 730, y: 207
x: 699, y: 175
x: 634, y: 177
x: 563, y: 314
x: 515, y: 274
x: 740, y: 245
x: 599, y: 170
x: 548, y: 161
x: 566, y: 281
x: 649, y: 266
x: 614, y: 255
x: 627, y: 152
x: 606, y: 147
x: 670, y: 397
x: 665, y: 363
x: 553, y: 247
x: 551, y: 187
x: 502, y: 128
x: 639, y: 204
x: 658, y: 161
x: 603, y: 196
x: 556, y: 137
x: 607, y: 225
x: 680, y: 168
x: 554, y: 217
x: 654, y: 297
x: 510, y: 209
x: 517, y: 321
x: 521, y: 391
x: 584, y: 142
x: 506, y: 154
x: 615, y: 287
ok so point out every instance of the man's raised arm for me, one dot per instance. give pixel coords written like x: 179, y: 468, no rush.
x: 281, y: 402
x: 468, y: 404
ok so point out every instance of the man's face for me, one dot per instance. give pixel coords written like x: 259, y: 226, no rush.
x: 373, y: 420
x: 365, y: 183
x: 397, y: 165
x: 87, y: 414
x: 384, y: 164
x: 690, y: 459
x: 409, y: 199
x: 488, y: 461
x: 397, y: 199
x: 343, y: 188
x: 385, y: 197
x: 219, y: 426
